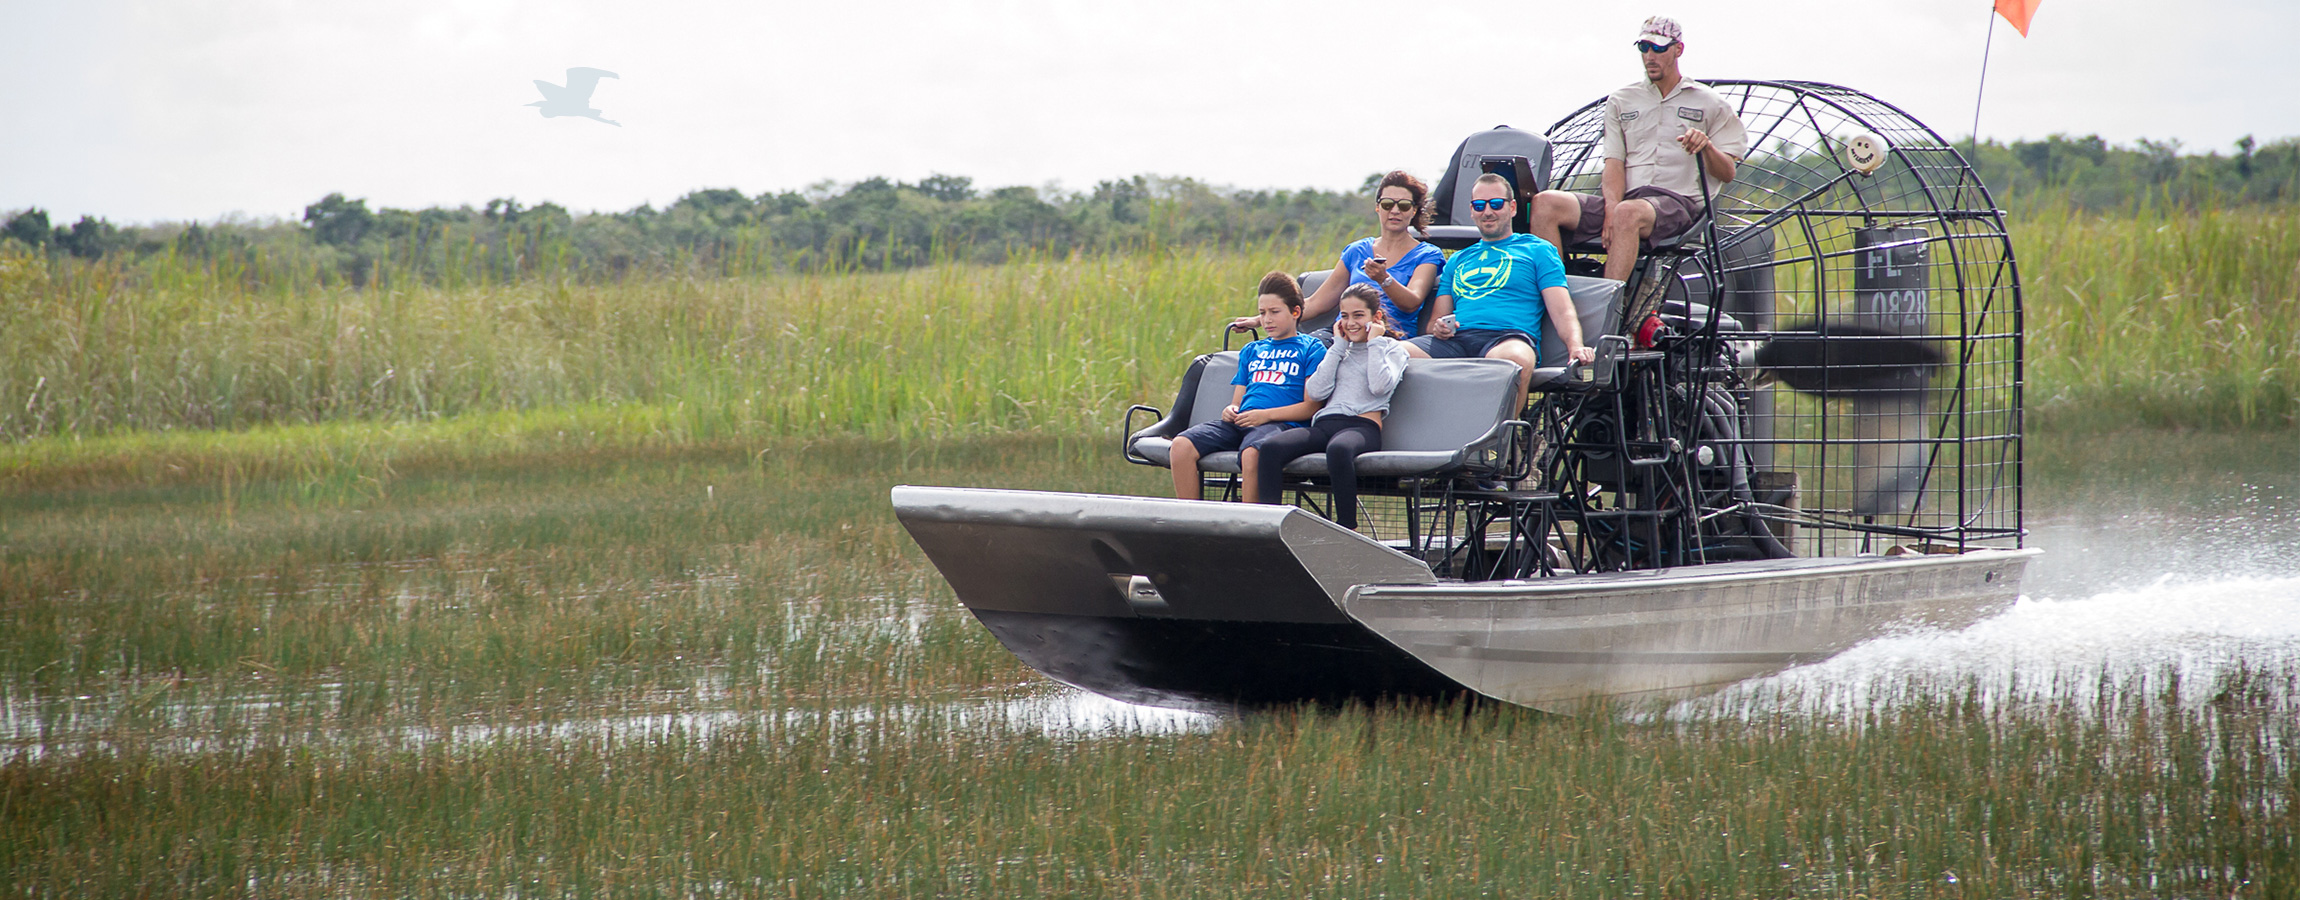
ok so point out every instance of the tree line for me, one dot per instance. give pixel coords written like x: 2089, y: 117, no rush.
x: 879, y: 224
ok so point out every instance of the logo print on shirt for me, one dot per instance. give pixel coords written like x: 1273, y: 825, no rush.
x: 1484, y: 275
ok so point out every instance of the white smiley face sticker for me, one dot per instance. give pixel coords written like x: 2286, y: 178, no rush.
x: 1865, y: 152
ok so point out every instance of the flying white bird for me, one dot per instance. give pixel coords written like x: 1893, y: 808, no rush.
x: 575, y: 98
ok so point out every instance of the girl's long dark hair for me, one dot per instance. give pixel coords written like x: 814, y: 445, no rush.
x: 1372, y: 297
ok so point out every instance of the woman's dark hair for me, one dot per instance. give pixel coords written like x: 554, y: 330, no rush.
x: 1421, y: 193
x: 1370, y: 296
x: 1284, y: 286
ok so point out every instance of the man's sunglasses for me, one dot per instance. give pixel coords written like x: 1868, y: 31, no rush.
x: 1483, y: 205
x: 1394, y: 204
x: 1651, y: 47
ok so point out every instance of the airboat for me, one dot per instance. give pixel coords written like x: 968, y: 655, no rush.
x: 1802, y: 431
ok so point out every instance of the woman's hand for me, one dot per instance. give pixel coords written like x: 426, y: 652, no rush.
x: 1245, y: 323
x: 1375, y: 330
x: 1378, y: 269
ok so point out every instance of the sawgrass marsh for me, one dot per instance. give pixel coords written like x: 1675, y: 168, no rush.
x: 560, y: 589
x: 721, y: 670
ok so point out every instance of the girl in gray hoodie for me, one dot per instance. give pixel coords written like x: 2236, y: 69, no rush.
x: 1354, y: 381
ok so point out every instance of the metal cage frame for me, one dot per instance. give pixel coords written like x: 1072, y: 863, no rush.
x: 1799, y: 236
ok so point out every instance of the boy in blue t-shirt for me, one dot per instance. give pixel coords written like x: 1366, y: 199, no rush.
x: 1268, y: 396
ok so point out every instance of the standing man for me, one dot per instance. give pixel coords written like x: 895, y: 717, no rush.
x: 1653, y: 130
x: 1494, y: 293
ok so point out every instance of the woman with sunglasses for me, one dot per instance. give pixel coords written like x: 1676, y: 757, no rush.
x: 1400, y: 268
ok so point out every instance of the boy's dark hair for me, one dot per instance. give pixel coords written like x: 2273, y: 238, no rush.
x: 1421, y: 192
x: 1372, y: 297
x: 1284, y: 286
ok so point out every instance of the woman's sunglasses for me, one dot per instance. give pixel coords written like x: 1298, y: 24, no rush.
x: 1394, y: 204
x: 1483, y: 205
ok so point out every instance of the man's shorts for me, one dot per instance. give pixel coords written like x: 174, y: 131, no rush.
x: 1218, y: 436
x: 1471, y: 343
x: 1672, y: 214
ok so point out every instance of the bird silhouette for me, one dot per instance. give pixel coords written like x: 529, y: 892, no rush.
x: 575, y: 98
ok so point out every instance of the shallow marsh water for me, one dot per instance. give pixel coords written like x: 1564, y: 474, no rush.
x: 715, y: 671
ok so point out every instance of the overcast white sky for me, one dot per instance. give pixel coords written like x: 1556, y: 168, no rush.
x: 196, y: 109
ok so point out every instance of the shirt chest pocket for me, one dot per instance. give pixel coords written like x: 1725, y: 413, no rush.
x: 1649, y: 133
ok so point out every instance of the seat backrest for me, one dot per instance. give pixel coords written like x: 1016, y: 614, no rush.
x: 1310, y: 282
x: 1445, y: 404
x: 1521, y: 156
x: 1214, y: 387
x: 1598, y: 300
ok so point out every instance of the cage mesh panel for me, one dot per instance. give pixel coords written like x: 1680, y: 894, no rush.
x: 1963, y: 425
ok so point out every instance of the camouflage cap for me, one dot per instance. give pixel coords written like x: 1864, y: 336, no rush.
x: 1660, y: 30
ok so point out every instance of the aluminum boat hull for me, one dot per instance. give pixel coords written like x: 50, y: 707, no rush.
x: 1222, y: 606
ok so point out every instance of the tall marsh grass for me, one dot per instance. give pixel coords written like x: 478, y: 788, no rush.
x: 2164, y: 318
x: 2182, y: 318
x: 720, y: 669
x: 1949, y: 802
x: 89, y: 349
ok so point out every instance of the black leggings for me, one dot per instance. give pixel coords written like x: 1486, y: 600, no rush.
x: 1342, y: 438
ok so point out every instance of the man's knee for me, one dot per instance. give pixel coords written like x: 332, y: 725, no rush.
x: 1515, y: 351
x: 1631, y: 219
x: 1556, y: 208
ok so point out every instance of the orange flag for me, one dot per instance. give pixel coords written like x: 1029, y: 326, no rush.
x: 2018, y: 12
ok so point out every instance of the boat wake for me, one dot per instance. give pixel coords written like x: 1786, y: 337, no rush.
x: 2183, y: 642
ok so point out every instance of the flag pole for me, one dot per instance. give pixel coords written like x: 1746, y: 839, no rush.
x: 1986, y: 43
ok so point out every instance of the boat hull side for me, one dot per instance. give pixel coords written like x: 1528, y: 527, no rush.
x: 1557, y: 643
x: 1186, y: 604
x: 1216, y: 666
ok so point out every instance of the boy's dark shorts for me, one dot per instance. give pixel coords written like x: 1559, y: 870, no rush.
x: 1470, y: 343
x: 1218, y: 436
x: 1673, y: 213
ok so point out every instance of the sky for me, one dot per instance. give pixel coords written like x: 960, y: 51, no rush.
x: 204, y: 109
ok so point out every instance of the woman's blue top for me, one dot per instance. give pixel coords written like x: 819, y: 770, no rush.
x: 1354, y: 259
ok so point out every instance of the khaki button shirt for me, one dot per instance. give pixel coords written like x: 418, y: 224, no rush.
x: 1641, y: 129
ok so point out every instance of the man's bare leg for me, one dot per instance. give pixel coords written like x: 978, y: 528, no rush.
x: 1553, y: 212
x: 1522, y: 354
x: 1630, y: 222
x: 1183, y: 459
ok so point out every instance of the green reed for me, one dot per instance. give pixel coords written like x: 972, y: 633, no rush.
x: 299, y: 685
x: 91, y: 349
x: 2163, y: 318
x: 2171, y: 318
x: 1949, y: 801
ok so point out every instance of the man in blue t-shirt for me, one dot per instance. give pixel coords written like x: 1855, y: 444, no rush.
x: 1494, y: 294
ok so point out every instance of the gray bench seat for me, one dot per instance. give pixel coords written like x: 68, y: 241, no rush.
x: 1446, y: 418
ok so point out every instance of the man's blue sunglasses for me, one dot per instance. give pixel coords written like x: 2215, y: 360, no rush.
x: 1651, y: 47
x: 1483, y: 205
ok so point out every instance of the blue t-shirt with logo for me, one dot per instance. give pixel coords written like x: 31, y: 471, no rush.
x: 1402, y: 268
x: 1274, y: 371
x: 1497, y: 285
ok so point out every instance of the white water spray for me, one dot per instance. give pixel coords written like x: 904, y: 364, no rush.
x: 2174, y: 640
